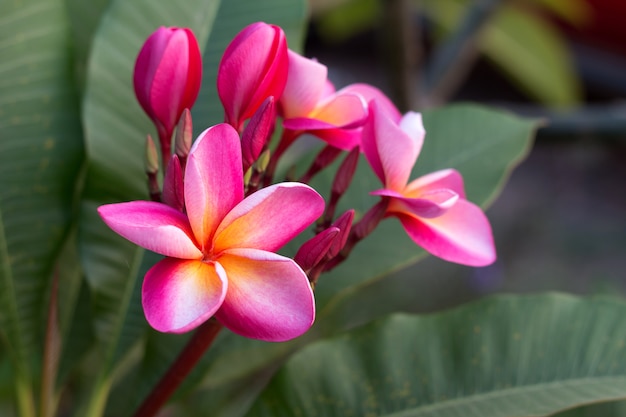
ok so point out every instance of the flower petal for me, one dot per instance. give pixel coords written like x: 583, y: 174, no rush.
x: 178, y: 296
x: 392, y: 149
x: 306, y: 83
x: 269, y: 218
x: 426, y: 205
x: 269, y: 297
x: 154, y: 226
x: 445, y: 178
x: 346, y: 111
x: 213, y: 180
x: 462, y: 234
x: 370, y: 93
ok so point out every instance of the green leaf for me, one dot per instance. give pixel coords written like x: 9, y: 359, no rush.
x: 503, y: 356
x: 483, y: 144
x: 40, y: 154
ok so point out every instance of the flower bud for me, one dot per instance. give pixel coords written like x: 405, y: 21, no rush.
x: 344, y: 224
x: 345, y: 173
x: 257, y: 132
x: 314, y: 250
x: 173, y: 185
x: 184, y: 132
x: 253, y: 67
x: 152, y: 157
x: 167, y: 77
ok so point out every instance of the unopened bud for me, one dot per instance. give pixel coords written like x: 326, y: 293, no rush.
x: 314, y: 250
x: 371, y: 219
x: 184, y: 132
x: 173, y: 192
x: 344, y: 224
x: 257, y: 132
x: 152, y: 157
x: 345, y: 173
x: 322, y: 160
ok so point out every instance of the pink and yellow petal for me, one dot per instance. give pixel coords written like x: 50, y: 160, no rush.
x: 178, y: 296
x: 346, y: 111
x: 269, y: 296
x: 370, y: 93
x: 154, y: 226
x: 269, y: 218
x: 445, y: 178
x: 427, y: 205
x: 213, y: 180
x: 306, y: 83
x: 461, y: 235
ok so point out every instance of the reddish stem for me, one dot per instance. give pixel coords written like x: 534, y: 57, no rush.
x: 178, y: 371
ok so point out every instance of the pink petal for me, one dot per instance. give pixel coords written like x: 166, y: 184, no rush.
x: 462, y: 234
x: 253, y: 67
x: 178, y: 296
x: 213, y: 180
x: 269, y: 297
x: 269, y: 218
x: 346, y: 111
x: 445, y: 178
x: 154, y: 226
x: 427, y: 205
x: 390, y: 150
x: 306, y: 82
x: 370, y: 93
x: 344, y: 139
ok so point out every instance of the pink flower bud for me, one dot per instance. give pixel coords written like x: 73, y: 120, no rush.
x: 254, y: 67
x: 167, y: 78
x: 173, y: 187
x: 257, y: 133
x: 344, y: 224
x: 314, y: 250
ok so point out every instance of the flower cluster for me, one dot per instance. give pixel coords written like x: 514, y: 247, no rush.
x: 220, y: 218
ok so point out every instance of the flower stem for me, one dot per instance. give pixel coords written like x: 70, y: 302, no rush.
x: 182, y: 366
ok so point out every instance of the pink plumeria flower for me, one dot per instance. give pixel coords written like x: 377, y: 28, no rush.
x: 253, y: 68
x: 432, y: 209
x: 220, y: 258
x: 311, y: 104
x: 167, y: 77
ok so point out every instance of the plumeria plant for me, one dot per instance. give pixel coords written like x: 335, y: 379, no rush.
x: 219, y: 221
x: 195, y: 221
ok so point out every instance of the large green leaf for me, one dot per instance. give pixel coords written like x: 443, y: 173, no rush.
x: 40, y: 154
x: 483, y: 144
x: 504, y: 356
